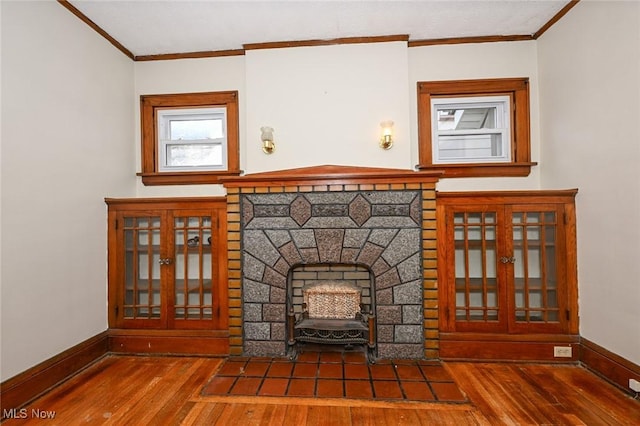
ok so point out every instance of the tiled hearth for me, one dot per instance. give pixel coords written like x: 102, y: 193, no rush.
x: 381, y: 221
x: 335, y: 375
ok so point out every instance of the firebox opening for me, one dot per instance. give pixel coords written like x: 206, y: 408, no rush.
x: 331, y: 304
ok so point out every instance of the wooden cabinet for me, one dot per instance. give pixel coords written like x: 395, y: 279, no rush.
x: 167, y: 273
x: 507, y: 268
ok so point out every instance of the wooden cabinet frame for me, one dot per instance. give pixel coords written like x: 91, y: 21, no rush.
x: 173, y: 327
x: 504, y: 336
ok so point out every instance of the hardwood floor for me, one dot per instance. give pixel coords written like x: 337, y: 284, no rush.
x: 167, y: 391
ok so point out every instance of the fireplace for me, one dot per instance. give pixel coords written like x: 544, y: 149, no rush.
x: 371, y: 230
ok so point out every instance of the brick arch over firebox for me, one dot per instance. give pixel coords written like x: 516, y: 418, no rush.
x: 279, y: 224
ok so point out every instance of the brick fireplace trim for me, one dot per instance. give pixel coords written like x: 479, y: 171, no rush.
x: 334, y: 179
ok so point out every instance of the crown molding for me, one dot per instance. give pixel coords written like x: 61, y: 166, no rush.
x: 326, y: 42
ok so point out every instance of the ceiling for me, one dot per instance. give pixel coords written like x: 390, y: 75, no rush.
x: 154, y: 27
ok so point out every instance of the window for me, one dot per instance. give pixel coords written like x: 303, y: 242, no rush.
x: 192, y: 139
x: 189, y: 138
x: 475, y: 127
x: 470, y: 130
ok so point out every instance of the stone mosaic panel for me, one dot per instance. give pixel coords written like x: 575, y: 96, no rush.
x: 380, y: 230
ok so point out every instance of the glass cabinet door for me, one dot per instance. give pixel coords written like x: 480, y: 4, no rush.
x: 168, y: 268
x: 534, y: 233
x: 507, y: 262
x: 142, y: 280
x: 194, y: 267
x: 478, y: 297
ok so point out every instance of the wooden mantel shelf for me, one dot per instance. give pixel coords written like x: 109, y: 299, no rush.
x: 330, y: 175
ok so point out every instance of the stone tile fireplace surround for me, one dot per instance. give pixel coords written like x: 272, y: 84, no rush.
x: 328, y: 218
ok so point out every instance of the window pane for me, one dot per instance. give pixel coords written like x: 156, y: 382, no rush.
x: 193, y: 155
x: 195, y: 129
x: 466, y: 118
x: 470, y: 146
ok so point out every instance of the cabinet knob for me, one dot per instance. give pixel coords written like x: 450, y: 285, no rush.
x: 505, y: 259
x: 165, y: 261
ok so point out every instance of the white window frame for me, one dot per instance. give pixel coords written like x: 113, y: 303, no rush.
x: 165, y: 116
x: 503, y: 127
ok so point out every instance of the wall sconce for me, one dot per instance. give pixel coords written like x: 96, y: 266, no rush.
x: 268, y: 146
x: 386, y: 141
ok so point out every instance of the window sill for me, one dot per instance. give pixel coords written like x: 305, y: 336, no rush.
x: 185, y: 178
x: 480, y: 169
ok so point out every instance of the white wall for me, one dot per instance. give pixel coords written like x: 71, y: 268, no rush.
x: 325, y: 104
x: 67, y: 131
x: 590, y: 124
x: 478, y: 61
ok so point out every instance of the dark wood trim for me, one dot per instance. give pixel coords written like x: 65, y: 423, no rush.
x: 608, y: 365
x: 520, y: 144
x: 170, y: 342
x: 506, y: 347
x: 505, y: 337
x: 473, y: 87
x: 482, y: 169
x: 167, y: 203
x: 330, y: 175
x: 190, y: 55
x: 465, y: 40
x: 555, y: 19
x: 481, y: 197
x: 149, y: 106
x: 326, y: 42
x: 184, y: 178
x: 26, y: 386
x: 95, y: 27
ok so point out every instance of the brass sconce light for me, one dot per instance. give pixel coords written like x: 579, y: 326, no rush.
x: 386, y: 140
x: 268, y: 146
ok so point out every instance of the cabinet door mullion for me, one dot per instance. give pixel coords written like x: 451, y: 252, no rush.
x: 504, y: 270
x: 170, y: 269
